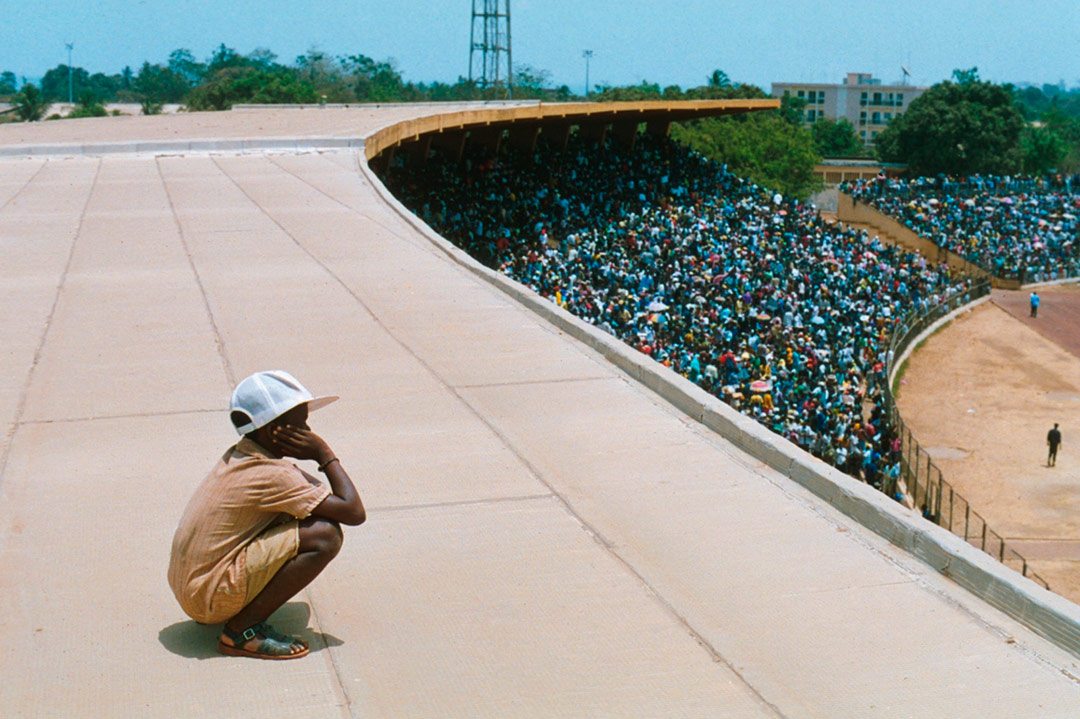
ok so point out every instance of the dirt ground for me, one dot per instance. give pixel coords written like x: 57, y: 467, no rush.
x: 980, y: 396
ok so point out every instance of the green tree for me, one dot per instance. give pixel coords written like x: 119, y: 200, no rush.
x: 463, y: 89
x: 630, y: 93
x: 1041, y: 150
x: 224, y: 58
x: 156, y: 85
x: 1067, y: 128
x: 104, y: 87
x: 184, y: 64
x: 966, y: 77
x: 719, y: 78
x: 792, y: 109
x: 263, y: 59
x: 8, y: 83
x: 88, y: 105
x: 30, y: 104
x: 763, y: 147
x: 530, y: 82
x: 836, y: 138
x: 374, y: 81
x: 957, y: 128
x: 733, y: 91
x: 233, y: 85
x: 54, y: 84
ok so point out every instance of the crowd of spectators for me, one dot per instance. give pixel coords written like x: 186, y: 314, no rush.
x: 746, y: 293
x: 1022, y: 227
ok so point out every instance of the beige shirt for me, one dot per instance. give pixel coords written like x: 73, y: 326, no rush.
x: 245, y: 493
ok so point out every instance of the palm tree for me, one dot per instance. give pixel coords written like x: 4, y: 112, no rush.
x: 30, y: 105
x: 719, y: 78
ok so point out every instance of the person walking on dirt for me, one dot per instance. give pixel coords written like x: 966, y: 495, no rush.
x: 1053, y: 440
x: 1034, y: 304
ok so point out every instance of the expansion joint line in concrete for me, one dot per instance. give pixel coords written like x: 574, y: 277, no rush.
x: 530, y: 468
x: 422, y: 246
x: 460, y: 503
x: 129, y: 415
x: 230, y: 375
x: 24, y: 393
x: 338, y: 679
x: 534, y: 382
x: 25, y: 185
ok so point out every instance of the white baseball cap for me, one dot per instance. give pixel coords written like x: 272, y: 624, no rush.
x: 265, y: 396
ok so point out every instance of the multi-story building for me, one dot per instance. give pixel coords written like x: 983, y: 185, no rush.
x: 861, y: 99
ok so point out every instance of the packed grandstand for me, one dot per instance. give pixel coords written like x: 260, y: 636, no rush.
x: 745, y: 292
x: 1017, y: 227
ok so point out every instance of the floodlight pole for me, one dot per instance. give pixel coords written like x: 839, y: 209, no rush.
x: 70, y: 97
x: 588, y: 56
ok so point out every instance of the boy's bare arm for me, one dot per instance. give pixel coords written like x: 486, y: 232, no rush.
x: 344, y: 504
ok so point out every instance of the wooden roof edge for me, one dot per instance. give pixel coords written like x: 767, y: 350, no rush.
x: 570, y: 112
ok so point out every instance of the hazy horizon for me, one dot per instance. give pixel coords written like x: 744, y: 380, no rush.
x: 770, y: 41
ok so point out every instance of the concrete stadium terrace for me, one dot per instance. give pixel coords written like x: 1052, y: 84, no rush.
x: 555, y: 528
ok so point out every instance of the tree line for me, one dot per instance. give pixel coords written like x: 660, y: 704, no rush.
x: 960, y: 126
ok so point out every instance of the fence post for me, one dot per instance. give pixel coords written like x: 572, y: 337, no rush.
x: 929, y: 493
x: 937, y: 510
x: 951, y: 503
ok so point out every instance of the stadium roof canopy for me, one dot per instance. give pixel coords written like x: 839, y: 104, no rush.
x: 624, y: 117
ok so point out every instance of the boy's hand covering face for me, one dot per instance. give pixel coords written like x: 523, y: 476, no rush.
x: 300, y: 442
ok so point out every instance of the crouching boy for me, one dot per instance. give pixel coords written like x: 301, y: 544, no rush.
x: 259, y: 529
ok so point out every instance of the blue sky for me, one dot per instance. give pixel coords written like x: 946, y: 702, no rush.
x: 680, y: 42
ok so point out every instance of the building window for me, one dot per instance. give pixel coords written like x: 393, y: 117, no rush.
x: 899, y: 99
x: 888, y: 116
x: 876, y: 119
x: 810, y: 115
x: 862, y: 117
x: 862, y: 134
x: 873, y: 134
x: 862, y: 99
x: 800, y: 93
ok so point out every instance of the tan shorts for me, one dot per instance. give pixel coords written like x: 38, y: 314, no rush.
x: 267, y: 553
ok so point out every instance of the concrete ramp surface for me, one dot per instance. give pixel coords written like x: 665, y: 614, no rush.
x: 546, y: 537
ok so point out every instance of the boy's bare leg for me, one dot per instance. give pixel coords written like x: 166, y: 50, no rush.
x: 320, y: 541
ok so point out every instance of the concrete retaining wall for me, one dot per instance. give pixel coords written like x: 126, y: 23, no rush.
x: 850, y: 211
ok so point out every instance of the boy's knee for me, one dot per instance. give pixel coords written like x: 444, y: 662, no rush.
x: 323, y: 536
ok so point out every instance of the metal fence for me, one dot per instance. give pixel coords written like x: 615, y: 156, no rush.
x: 922, y: 479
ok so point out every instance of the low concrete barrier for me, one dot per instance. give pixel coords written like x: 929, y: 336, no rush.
x: 1050, y: 615
x: 178, y: 147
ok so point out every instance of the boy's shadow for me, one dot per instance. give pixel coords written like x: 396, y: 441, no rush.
x: 199, y: 641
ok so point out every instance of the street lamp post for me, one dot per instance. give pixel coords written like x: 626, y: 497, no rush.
x: 588, y: 56
x: 71, y: 99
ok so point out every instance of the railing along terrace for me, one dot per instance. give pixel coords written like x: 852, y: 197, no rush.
x: 922, y: 479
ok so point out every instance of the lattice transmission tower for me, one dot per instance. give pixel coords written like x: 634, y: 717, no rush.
x: 489, y: 47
